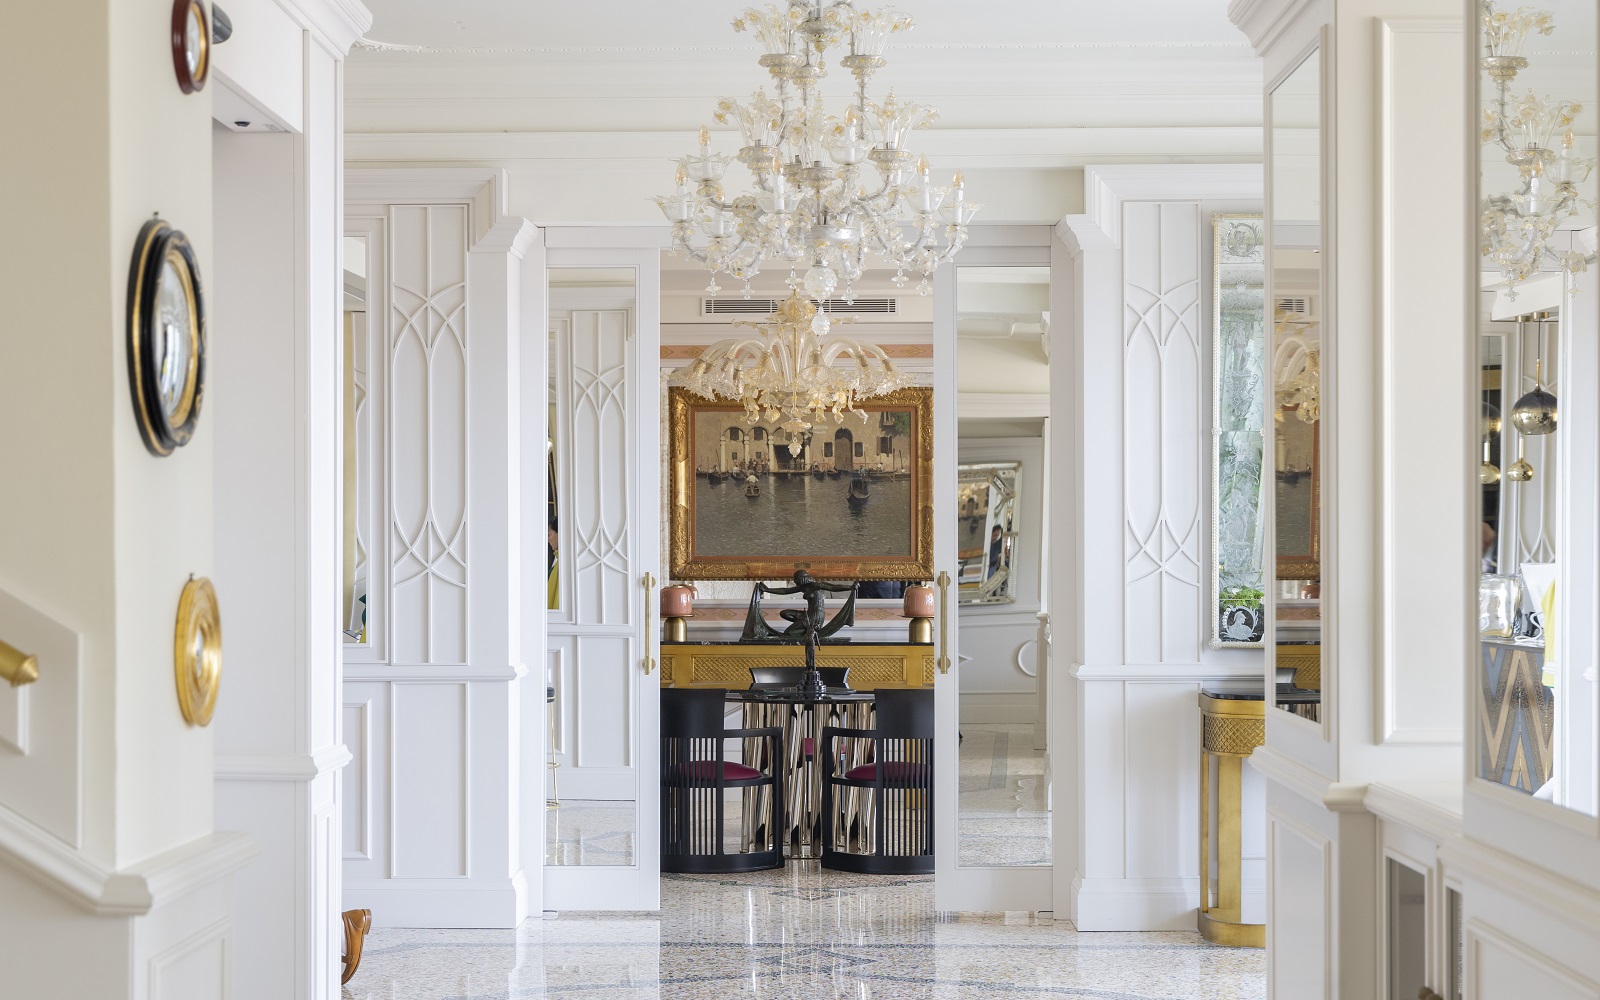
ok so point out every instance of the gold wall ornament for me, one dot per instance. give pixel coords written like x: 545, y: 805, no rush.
x: 16, y: 667
x: 197, y: 651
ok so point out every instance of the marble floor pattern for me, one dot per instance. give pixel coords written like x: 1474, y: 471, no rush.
x: 803, y: 933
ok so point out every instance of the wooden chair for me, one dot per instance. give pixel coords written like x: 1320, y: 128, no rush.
x: 695, y: 778
x: 898, y: 781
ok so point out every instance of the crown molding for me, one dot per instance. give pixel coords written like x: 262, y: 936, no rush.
x: 999, y: 148
x: 1264, y: 21
x: 485, y: 189
x: 340, y: 22
x: 511, y: 235
x: 1106, y: 189
x: 130, y: 892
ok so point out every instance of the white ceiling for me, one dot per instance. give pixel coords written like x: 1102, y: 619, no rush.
x: 633, y: 66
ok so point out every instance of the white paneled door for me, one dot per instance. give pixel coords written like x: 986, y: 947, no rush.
x: 601, y: 817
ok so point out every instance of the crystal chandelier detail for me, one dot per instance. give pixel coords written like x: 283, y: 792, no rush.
x: 1517, y: 230
x: 813, y: 203
x: 792, y: 373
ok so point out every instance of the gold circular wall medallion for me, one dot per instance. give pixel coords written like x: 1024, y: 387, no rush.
x: 197, y: 651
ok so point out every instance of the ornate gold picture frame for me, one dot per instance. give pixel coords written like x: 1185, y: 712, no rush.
x: 844, y: 501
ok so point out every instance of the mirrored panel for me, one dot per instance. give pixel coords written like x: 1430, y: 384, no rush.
x: 1533, y: 666
x: 1407, y: 947
x: 1002, y: 321
x: 987, y: 502
x: 356, y: 444
x: 1239, y: 410
x: 592, y: 815
x: 1294, y: 234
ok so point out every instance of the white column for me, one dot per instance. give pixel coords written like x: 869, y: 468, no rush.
x: 276, y: 377
x: 1132, y: 436
x: 436, y: 780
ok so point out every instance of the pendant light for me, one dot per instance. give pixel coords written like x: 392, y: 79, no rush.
x: 1535, y: 413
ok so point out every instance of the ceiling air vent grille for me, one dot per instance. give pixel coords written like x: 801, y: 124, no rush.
x: 762, y: 307
x: 1294, y: 305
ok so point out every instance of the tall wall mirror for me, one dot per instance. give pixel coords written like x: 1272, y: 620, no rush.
x: 1238, y: 406
x: 1534, y: 665
x: 591, y: 787
x: 1296, y: 299
x: 357, y: 445
x: 1002, y: 326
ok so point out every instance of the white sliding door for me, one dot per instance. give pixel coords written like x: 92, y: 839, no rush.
x: 602, y: 786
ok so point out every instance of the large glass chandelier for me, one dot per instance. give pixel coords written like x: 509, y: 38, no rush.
x: 814, y: 203
x: 792, y: 373
x: 1517, y: 230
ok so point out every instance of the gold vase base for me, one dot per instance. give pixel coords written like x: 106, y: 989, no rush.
x: 921, y: 630
x: 1232, y: 934
x: 675, y: 630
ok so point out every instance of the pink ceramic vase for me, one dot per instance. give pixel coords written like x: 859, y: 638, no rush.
x: 918, y: 602
x: 678, y: 601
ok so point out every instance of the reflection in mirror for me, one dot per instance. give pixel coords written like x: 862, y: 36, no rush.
x: 1534, y: 672
x: 592, y: 816
x: 1408, y: 931
x: 1002, y: 320
x: 986, y: 505
x: 1239, y: 393
x: 1294, y: 232
x: 357, y: 444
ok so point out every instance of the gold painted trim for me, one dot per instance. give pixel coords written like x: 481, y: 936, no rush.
x: 1232, y: 935
x: 649, y: 582
x: 197, y: 651
x: 16, y: 667
x: 136, y: 358
x: 186, y: 398
x: 684, y: 564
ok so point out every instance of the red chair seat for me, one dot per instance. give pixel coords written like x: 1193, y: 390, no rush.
x: 705, y: 771
x: 894, y: 770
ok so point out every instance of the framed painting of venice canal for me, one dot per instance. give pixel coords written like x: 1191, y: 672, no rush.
x: 843, y: 500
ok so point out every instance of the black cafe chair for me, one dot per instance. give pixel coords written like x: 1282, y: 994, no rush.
x: 897, y: 781
x: 695, y: 778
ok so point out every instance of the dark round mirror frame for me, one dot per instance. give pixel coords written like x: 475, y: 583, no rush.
x: 157, y: 243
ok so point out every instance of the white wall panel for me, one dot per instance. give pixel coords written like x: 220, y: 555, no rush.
x: 1162, y: 730
x: 1164, y: 379
x: 39, y: 725
x: 356, y: 793
x: 1298, y: 903
x: 429, y: 798
x: 427, y: 341
x: 596, y: 352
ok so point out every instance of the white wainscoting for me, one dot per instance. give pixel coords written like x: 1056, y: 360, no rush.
x: 433, y: 703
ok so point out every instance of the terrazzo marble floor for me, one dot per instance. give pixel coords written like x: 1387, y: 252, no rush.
x: 803, y: 933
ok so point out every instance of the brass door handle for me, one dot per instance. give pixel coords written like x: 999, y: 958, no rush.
x: 16, y: 667
x: 943, y: 661
x: 649, y: 613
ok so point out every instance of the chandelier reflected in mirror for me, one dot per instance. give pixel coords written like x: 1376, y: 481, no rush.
x: 831, y: 193
x: 1517, y: 230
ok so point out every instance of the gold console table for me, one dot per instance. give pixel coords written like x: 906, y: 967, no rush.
x: 1231, y: 726
x: 727, y: 664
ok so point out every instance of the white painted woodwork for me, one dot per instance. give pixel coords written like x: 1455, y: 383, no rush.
x: 1130, y: 429
x: 276, y: 377
x: 434, y: 792
x: 606, y: 376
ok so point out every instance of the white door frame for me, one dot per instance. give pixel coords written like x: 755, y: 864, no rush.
x: 636, y: 886
x: 957, y: 888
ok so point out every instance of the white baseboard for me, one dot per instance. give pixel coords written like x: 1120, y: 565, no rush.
x: 440, y: 903
x: 1135, y: 904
